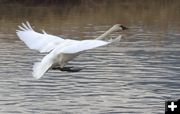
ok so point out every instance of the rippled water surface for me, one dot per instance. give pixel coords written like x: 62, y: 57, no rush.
x: 135, y: 75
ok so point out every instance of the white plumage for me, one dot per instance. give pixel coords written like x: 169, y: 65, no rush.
x: 61, y: 50
x: 34, y: 40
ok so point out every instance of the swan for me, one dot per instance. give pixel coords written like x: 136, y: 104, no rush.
x: 60, y: 51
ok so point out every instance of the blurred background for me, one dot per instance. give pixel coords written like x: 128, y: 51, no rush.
x: 150, y: 14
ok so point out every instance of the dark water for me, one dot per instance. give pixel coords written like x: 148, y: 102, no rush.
x: 134, y: 76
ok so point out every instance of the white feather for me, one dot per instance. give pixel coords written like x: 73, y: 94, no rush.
x: 21, y: 28
x: 44, y: 32
x: 29, y: 26
x: 35, y: 40
x: 40, y: 68
x: 80, y: 46
x: 25, y: 26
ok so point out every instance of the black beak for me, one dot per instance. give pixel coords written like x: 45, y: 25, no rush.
x: 123, y: 27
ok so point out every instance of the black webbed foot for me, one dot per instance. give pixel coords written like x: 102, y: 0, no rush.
x: 68, y: 69
x: 56, y: 68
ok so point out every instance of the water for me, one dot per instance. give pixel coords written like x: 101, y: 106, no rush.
x: 134, y: 76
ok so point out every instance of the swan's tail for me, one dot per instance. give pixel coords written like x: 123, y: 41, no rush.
x: 40, y: 68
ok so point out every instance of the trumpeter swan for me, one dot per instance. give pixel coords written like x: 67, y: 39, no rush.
x: 60, y: 50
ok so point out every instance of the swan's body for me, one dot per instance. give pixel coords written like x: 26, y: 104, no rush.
x: 60, y: 50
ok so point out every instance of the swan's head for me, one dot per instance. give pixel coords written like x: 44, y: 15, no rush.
x: 117, y: 27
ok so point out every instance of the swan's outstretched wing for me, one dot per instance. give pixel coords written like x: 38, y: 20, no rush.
x: 80, y: 46
x: 38, y: 41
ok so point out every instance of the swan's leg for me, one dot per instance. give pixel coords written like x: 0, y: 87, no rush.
x: 68, y: 69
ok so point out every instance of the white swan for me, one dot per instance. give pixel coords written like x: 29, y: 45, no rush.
x: 61, y: 50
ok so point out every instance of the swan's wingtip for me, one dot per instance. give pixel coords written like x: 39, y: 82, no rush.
x: 25, y: 26
x: 44, y: 32
x: 28, y: 24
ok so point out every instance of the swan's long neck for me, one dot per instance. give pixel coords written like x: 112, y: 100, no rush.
x: 105, y: 34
